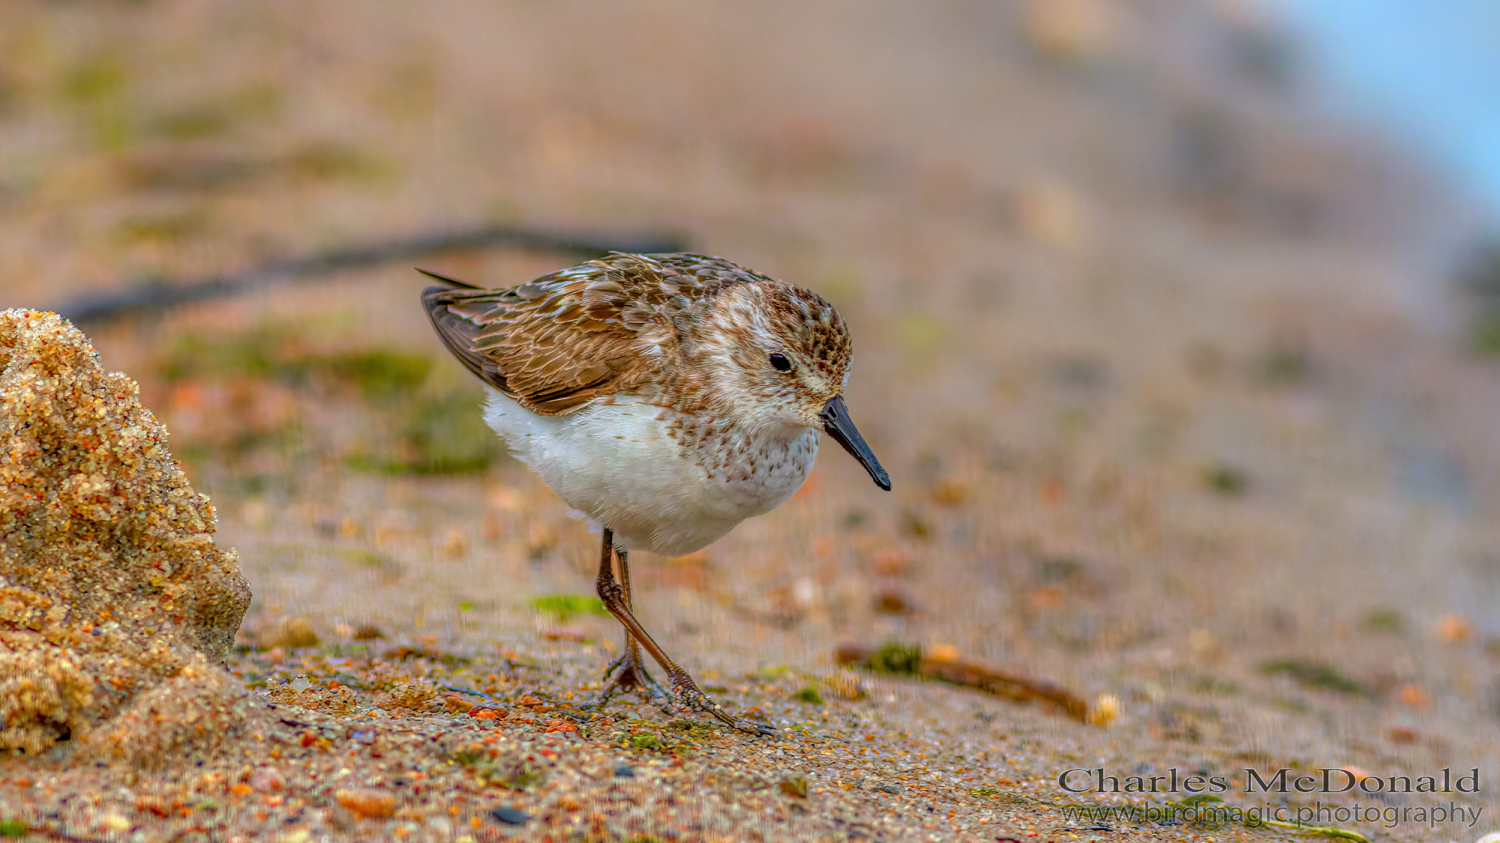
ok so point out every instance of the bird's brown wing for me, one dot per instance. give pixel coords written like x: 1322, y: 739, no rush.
x: 562, y: 340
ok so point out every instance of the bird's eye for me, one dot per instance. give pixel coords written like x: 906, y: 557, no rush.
x: 780, y: 363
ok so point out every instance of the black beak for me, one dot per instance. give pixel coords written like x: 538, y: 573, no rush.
x: 837, y: 423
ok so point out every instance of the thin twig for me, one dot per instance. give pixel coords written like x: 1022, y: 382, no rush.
x: 1320, y: 830
x: 894, y: 658
x: 163, y: 293
x: 458, y: 690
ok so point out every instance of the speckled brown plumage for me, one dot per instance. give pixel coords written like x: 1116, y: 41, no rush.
x: 623, y: 322
x: 667, y: 397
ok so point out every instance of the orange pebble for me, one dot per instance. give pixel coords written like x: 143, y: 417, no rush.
x: 1412, y: 696
x: 1455, y: 629
x: 367, y: 802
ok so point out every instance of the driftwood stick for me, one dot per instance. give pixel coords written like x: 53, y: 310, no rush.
x: 95, y: 308
x: 970, y: 673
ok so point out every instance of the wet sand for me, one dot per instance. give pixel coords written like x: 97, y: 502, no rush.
x: 1175, y: 402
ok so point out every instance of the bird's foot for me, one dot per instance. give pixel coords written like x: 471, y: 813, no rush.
x: 628, y: 674
x: 688, y: 695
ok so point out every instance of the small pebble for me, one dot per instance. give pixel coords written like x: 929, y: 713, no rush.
x: 1402, y: 734
x: 1105, y: 710
x: 624, y: 771
x: 367, y: 633
x: 510, y: 816
x: 1411, y: 695
x: 794, y: 785
x: 367, y: 802
x: 892, y: 602
x: 266, y: 780
x: 152, y: 805
x: 293, y: 633
x: 1455, y: 629
x: 892, y: 561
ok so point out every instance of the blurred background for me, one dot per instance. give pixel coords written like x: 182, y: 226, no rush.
x: 1176, y: 325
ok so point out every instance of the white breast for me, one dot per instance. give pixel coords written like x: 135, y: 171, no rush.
x: 616, y: 463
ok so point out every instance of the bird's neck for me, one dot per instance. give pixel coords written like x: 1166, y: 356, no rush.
x: 728, y: 444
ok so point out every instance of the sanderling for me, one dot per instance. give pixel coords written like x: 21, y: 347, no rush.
x: 667, y: 397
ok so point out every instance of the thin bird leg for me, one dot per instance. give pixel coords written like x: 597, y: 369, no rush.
x: 632, y: 671
x: 632, y: 646
x: 684, y: 689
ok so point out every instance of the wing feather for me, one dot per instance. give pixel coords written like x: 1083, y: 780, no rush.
x: 559, y: 342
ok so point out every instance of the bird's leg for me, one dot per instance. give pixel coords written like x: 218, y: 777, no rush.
x: 631, y: 670
x: 684, y: 689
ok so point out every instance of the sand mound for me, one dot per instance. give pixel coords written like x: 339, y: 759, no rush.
x: 116, y: 608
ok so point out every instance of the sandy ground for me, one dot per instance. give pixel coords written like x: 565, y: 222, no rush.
x: 1164, y: 368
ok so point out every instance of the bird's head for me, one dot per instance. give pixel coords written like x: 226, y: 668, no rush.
x: 779, y: 358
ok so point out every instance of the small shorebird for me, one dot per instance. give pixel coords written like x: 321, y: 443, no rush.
x: 666, y: 397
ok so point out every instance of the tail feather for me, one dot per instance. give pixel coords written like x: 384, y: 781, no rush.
x: 452, y: 282
x: 459, y: 334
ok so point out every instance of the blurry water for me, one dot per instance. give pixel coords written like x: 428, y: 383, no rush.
x: 1425, y: 73
x: 1428, y: 71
